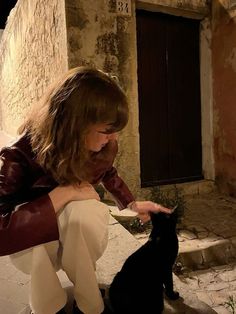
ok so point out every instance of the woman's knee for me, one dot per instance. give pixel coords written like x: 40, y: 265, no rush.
x: 88, y: 210
x: 88, y: 220
x: 87, y: 214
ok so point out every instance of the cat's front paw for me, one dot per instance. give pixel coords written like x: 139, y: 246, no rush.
x: 172, y: 295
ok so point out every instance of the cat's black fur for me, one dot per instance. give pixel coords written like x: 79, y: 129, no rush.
x: 138, y: 287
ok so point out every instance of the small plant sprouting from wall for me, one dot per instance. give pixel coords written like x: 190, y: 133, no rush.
x: 231, y: 304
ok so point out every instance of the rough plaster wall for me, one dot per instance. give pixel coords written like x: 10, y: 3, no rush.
x: 33, y: 51
x: 98, y: 36
x: 1, y: 32
x: 224, y: 94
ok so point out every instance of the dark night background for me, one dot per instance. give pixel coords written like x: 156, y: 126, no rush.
x: 5, y: 8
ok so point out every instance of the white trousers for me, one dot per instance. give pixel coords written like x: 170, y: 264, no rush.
x: 83, y: 228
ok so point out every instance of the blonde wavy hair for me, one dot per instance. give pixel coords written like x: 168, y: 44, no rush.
x: 58, y: 124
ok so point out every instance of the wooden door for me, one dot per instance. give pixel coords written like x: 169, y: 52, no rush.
x: 169, y: 98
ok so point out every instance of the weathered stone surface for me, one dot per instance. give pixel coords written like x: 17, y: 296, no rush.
x: 228, y: 276
x: 73, y: 33
x: 33, y: 52
x: 187, y: 234
x: 5, y: 139
x: 202, y: 235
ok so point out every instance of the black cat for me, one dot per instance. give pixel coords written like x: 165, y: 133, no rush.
x: 138, y: 287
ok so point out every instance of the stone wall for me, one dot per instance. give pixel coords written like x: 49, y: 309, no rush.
x: 33, y: 52
x: 98, y: 35
x: 39, y: 43
x: 224, y: 94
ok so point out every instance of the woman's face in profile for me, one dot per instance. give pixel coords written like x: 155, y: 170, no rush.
x: 98, y: 136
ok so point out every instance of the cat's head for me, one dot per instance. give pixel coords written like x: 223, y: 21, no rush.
x: 164, y: 223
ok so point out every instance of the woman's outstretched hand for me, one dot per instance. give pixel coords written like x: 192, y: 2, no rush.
x: 144, y: 208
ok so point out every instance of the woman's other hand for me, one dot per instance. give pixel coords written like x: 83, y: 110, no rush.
x: 62, y: 195
x: 83, y: 191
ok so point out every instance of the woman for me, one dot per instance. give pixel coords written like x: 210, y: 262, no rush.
x: 51, y: 214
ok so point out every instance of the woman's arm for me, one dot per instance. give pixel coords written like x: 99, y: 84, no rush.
x: 23, y: 223
x: 124, y: 198
x: 118, y: 188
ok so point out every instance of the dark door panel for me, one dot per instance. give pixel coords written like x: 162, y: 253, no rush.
x: 152, y: 67
x: 169, y: 98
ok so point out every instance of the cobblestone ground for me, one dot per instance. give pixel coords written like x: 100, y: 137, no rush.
x: 215, y: 286
x: 207, y: 253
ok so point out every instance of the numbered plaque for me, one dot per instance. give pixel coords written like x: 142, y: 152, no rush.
x: 123, y: 7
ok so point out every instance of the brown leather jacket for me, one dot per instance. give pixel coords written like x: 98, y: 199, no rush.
x: 27, y: 216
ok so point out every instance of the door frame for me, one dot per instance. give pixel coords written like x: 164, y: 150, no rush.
x: 206, y: 84
x: 208, y: 168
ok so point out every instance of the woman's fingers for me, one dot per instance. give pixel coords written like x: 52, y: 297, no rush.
x: 149, y: 206
x: 163, y: 209
x: 144, y: 218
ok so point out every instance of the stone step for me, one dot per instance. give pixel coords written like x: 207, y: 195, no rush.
x: 201, y: 244
x: 206, y: 255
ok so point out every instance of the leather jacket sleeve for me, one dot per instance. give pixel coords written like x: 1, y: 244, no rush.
x: 24, y: 222
x: 101, y: 166
x: 118, y: 188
